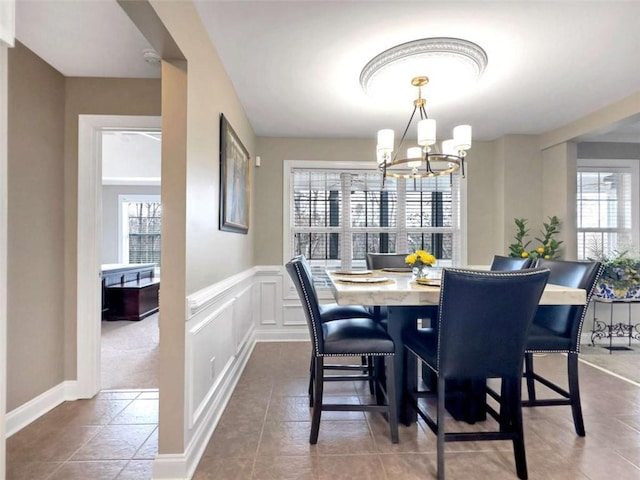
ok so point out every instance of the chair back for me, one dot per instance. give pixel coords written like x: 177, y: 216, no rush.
x: 509, y: 263
x: 376, y: 261
x: 300, y: 273
x: 567, y: 320
x: 484, y: 321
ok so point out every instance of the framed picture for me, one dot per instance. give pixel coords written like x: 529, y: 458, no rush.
x: 235, y: 172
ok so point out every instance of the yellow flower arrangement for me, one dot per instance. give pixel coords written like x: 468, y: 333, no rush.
x: 420, y: 258
x: 420, y: 262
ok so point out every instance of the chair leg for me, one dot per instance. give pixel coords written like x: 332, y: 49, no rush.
x: 408, y: 386
x: 370, y: 372
x: 391, y: 397
x: 513, y: 398
x: 440, y: 429
x: 574, y: 393
x: 312, y: 369
x: 380, y: 379
x: 317, y: 401
x: 528, y: 374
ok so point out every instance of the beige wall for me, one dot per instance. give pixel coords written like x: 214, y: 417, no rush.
x: 559, y: 193
x: 522, y: 184
x: 481, y: 190
x: 483, y: 194
x: 35, y: 263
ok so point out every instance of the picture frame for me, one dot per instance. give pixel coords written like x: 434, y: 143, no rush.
x: 235, y: 178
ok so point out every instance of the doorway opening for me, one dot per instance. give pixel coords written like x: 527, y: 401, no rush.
x: 131, y: 242
x: 90, y: 241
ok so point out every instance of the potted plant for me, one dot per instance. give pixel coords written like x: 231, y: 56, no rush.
x: 548, y: 246
x: 620, y: 278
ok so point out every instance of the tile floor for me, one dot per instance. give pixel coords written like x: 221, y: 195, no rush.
x: 263, y: 434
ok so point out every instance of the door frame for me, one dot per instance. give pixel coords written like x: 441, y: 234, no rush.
x: 89, y: 241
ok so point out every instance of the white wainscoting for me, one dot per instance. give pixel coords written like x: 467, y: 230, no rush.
x: 224, y: 321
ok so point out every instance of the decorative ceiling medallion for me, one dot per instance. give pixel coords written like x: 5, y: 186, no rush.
x: 465, y: 54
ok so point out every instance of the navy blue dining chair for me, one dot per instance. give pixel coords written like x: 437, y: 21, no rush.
x: 500, y: 262
x: 557, y: 329
x: 483, y: 324
x: 345, y: 337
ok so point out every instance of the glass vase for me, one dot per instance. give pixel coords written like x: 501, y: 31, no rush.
x: 421, y: 271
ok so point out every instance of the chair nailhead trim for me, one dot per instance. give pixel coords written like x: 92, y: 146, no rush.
x: 355, y: 354
x: 306, y: 299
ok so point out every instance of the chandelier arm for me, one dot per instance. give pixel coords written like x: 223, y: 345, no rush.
x: 423, y: 113
x: 427, y: 163
x: 404, y: 134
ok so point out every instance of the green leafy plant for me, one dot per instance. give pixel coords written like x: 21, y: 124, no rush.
x: 621, y: 270
x: 548, y: 245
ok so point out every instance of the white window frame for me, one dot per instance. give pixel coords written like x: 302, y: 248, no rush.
x: 290, y: 165
x: 623, y: 166
x: 123, y: 221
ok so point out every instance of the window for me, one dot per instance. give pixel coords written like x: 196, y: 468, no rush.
x: 607, y: 207
x: 335, y: 213
x: 141, y: 217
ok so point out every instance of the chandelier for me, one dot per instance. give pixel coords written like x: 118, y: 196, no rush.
x: 423, y: 160
x: 460, y: 58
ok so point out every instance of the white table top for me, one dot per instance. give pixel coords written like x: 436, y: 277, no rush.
x: 402, y: 290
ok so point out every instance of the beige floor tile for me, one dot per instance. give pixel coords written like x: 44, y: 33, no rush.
x: 49, y: 445
x: 351, y: 467
x: 409, y: 466
x: 101, y: 470
x: 264, y: 434
x: 224, y: 468
x: 149, y: 448
x: 137, y: 470
x: 30, y: 470
x: 234, y: 441
x: 296, y: 409
x: 138, y: 412
x: 286, y: 439
x: 285, y: 468
x: 115, y: 442
x: 345, y: 438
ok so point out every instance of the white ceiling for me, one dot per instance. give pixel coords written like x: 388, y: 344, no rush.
x: 296, y: 64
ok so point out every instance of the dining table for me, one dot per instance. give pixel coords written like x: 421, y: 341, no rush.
x: 406, y: 301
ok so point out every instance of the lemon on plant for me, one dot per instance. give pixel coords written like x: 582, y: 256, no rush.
x: 524, y: 254
x: 540, y: 249
x: 547, y: 257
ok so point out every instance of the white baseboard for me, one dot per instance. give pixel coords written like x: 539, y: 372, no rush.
x: 28, y: 412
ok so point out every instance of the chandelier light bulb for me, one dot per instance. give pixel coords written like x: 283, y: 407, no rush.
x: 426, y: 132
x: 385, y: 140
x: 462, y: 137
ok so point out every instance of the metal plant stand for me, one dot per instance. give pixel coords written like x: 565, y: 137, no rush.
x: 610, y: 330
